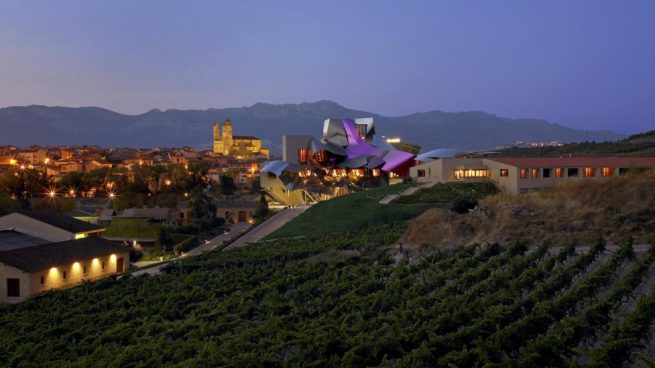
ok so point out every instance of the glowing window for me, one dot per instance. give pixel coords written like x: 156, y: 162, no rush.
x: 589, y: 172
x: 524, y: 173
x: 559, y: 172
x: 607, y: 171
x: 470, y: 173
x: 504, y: 172
x: 535, y: 173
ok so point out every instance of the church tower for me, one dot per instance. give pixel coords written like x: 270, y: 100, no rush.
x: 228, y: 140
x: 218, y: 142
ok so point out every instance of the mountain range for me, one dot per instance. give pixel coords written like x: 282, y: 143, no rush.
x: 53, y: 125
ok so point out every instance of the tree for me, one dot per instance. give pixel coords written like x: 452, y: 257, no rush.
x: 8, y: 205
x: 227, y: 185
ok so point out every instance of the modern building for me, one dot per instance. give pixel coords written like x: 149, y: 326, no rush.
x: 292, y: 144
x: 240, y: 147
x: 519, y: 175
x: 41, y: 251
x: 344, y: 160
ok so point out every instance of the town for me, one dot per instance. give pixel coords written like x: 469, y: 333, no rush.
x: 327, y: 184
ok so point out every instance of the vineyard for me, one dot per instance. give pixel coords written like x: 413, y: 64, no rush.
x: 344, y: 301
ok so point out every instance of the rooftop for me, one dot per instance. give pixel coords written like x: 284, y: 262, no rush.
x: 44, y: 256
x: 627, y: 162
x: 61, y: 221
x: 10, y: 240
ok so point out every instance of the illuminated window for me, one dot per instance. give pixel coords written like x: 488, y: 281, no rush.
x: 420, y: 173
x: 524, y: 173
x: 535, y: 173
x: 504, y: 172
x: 546, y: 173
x: 470, y: 173
x: 571, y: 172
x: 80, y: 236
x: 607, y: 171
x: 559, y: 172
x: 589, y: 172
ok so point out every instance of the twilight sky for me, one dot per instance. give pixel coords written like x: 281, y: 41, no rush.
x: 585, y: 64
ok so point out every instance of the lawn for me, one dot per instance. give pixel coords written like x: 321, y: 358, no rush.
x: 133, y: 228
x: 359, y: 210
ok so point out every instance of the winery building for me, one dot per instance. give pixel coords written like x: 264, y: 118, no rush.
x: 519, y: 175
x: 45, y: 251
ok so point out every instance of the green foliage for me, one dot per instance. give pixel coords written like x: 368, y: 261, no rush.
x: 362, y: 209
x: 8, y: 205
x: 133, y: 228
x: 186, y: 245
x: 61, y: 205
x: 227, y: 185
x: 343, y: 301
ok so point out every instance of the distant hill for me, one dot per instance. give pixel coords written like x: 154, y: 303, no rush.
x: 642, y: 144
x: 44, y: 125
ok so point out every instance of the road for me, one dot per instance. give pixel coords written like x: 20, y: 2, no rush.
x: 251, y: 236
x: 268, y: 226
x: 236, y: 230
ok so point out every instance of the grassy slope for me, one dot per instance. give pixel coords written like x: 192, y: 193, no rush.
x: 133, y: 228
x: 359, y: 210
x: 576, y: 211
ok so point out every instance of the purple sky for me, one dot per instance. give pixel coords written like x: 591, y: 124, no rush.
x: 586, y: 64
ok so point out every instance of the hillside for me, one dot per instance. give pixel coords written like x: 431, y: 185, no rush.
x: 338, y: 296
x: 613, y: 208
x: 92, y: 125
x: 342, y: 301
x: 642, y: 144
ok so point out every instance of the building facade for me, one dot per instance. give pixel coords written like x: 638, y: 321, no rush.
x: 28, y: 271
x: 240, y: 147
x: 519, y: 175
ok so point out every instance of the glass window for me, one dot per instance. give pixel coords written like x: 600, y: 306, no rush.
x: 573, y: 171
x: 524, y: 173
x: 535, y: 173
x: 607, y: 171
x: 589, y: 172
x: 420, y: 173
x: 13, y: 287
x: 546, y: 173
x: 471, y: 173
x: 559, y: 172
x: 504, y: 172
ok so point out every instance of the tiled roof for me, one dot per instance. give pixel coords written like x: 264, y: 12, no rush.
x: 627, y: 162
x: 41, y: 257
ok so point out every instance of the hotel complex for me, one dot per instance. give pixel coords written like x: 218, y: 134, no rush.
x: 344, y: 160
x: 519, y: 175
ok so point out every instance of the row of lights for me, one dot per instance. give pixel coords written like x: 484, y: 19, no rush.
x: 76, y: 265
